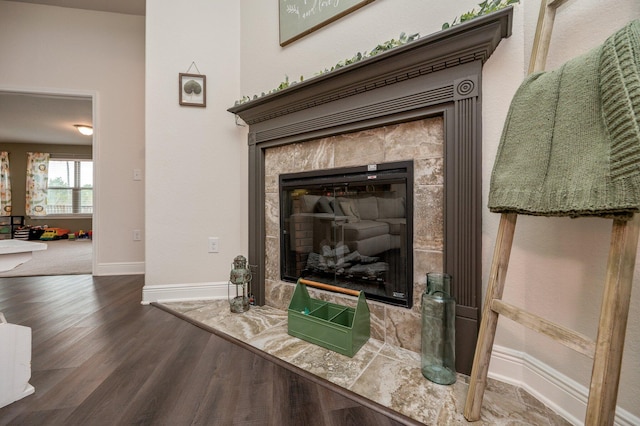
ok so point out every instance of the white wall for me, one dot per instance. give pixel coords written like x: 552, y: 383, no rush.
x: 61, y: 50
x: 557, y: 267
x: 196, y: 177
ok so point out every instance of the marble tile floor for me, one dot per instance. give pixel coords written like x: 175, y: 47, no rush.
x: 382, y: 373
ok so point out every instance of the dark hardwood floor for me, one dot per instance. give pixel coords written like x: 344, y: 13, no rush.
x: 101, y: 358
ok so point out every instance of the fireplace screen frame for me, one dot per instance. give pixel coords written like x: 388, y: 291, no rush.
x: 397, y: 259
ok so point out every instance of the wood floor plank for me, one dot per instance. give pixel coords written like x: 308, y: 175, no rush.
x: 100, y: 357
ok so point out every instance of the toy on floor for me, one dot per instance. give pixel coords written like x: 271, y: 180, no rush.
x: 83, y: 235
x: 54, y: 234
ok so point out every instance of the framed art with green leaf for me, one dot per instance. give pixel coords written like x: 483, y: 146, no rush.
x: 193, y: 89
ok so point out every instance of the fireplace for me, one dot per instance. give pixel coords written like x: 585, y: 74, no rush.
x: 350, y: 227
x: 434, y: 82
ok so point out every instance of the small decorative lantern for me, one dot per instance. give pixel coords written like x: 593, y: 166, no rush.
x: 240, y: 277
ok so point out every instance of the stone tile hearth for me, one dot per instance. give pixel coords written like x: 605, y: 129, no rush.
x: 386, y: 374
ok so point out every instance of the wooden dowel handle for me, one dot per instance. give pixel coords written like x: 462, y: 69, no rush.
x: 329, y: 287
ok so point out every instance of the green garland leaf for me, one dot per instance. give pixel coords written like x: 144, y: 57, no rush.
x: 486, y: 7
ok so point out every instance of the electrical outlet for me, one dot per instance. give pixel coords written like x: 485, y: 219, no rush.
x: 137, y: 174
x: 137, y: 235
x: 214, y: 245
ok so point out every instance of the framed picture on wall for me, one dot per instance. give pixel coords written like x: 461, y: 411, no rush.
x: 193, y: 89
x: 301, y: 17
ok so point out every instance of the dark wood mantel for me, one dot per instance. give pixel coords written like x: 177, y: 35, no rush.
x: 439, y: 74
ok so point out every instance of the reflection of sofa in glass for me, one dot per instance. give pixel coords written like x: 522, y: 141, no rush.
x: 367, y: 225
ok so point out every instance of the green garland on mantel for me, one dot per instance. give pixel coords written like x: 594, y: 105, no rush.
x: 486, y: 7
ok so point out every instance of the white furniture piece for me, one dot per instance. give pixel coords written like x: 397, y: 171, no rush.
x: 15, y: 362
x: 16, y: 252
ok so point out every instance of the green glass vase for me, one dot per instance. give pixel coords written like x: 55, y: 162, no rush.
x: 438, y: 330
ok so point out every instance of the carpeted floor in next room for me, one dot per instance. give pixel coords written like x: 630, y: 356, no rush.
x: 62, y: 257
x: 387, y: 375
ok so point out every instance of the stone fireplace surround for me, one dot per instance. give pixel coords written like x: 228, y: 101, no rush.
x: 427, y: 87
x: 420, y: 141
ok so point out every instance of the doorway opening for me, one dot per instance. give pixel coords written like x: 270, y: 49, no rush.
x: 44, y: 122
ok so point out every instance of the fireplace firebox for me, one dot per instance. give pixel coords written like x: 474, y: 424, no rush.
x: 350, y: 227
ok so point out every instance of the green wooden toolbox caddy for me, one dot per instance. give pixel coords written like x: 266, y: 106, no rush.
x: 339, y: 328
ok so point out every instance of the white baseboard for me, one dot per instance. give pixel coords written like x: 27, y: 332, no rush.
x: 184, y: 292
x: 123, y: 268
x: 562, y: 394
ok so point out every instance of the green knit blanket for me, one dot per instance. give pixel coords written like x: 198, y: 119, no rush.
x: 571, y: 142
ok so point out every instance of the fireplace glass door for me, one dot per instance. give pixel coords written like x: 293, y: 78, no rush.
x: 350, y: 228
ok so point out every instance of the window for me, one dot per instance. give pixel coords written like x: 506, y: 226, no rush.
x: 70, y: 188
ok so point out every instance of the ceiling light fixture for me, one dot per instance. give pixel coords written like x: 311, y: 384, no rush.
x: 84, y: 129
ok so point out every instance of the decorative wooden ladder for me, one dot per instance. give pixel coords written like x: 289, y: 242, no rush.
x: 607, y: 349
